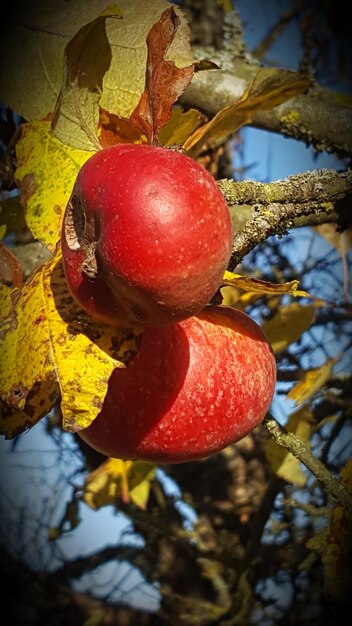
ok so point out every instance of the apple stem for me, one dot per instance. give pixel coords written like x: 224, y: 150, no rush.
x: 293, y: 444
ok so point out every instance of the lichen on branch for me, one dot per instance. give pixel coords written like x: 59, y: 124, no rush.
x: 260, y: 210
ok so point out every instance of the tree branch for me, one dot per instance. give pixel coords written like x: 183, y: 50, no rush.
x: 306, y: 117
x: 293, y: 444
x: 260, y: 210
x: 82, y: 565
x: 319, y: 185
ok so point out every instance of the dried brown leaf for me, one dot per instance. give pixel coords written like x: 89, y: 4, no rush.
x: 164, y: 81
x: 10, y: 268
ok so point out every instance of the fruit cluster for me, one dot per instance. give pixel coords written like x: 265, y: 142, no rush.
x: 146, y: 238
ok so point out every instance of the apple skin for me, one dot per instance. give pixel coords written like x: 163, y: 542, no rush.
x: 146, y: 236
x: 194, y: 387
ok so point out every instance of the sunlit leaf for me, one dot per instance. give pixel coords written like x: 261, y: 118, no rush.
x: 86, y: 60
x: 269, y: 88
x: 32, y: 43
x: 261, y: 286
x: 288, y: 324
x: 116, y: 479
x: 232, y: 296
x: 114, y: 129
x: 32, y: 46
x: 283, y: 463
x: 179, y: 127
x: 46, y: 172
x: 124, y: 83
x: 111, y: 10
x: 139, y: 495
x: 164, y: 81
x: 45, y: 339
x: 311, y: 382
x: 337, y: 556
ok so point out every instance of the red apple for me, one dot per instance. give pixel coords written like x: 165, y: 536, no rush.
x: 193, y: 388
x: 146, y: 236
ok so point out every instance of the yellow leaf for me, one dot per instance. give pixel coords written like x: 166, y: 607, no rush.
x: 46, y: 171
x: 312, y: 380
x: 269, y: 88
x: 114, y: 478
x: 112, y: 10
x: 179, y: 127
x: 288, y: 324
x: 231, y: 296
x: 261, y: 286
x: 337, y: 556
x: 226, y: 5
x: 140, y: 494
x: 46, y: 338
x: 283, y: 463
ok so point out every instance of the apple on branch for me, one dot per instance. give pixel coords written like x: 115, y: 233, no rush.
x: 146, y: 236
x: 195, y: 387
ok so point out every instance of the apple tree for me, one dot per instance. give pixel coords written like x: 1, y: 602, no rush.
x: 272, y: 497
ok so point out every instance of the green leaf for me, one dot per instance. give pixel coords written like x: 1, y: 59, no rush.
x: 32, y: 44
x: 46, y: 171
x: 87, y: 59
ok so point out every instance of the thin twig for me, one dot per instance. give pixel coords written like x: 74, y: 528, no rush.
x: 293, y: 444
x: 277, y: 29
